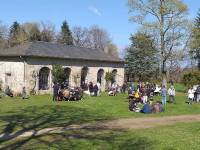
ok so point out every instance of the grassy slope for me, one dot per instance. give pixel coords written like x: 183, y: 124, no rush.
x: 39, y: 112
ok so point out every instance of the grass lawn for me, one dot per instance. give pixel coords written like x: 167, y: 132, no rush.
x: 17, y: 115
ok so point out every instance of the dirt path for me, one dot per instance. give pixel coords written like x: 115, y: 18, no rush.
x: 130, y: 123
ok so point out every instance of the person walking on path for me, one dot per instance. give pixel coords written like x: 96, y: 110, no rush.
x: 164, y: 95
x: 171, y: 93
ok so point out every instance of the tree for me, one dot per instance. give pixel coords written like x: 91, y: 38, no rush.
x: 99, y: 37
x: 58, y: 74
x: 195, y: 42
x: 167, y: 23
x: 3, y: 32
x: 65, y: 34
x: 47, y: 32
x: 141, y: 57
x: 81, y: 37
x: 33, y: 31
x: 111, y: 49
x: 17, y: 35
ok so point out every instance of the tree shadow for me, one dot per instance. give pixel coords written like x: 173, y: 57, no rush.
x: 36, y: 118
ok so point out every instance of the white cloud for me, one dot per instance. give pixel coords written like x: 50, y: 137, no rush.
x: 95, y: 11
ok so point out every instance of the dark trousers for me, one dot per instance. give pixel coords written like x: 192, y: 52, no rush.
x: 171, y: 98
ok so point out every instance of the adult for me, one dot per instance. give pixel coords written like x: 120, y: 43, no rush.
x: 91, y: 89
x: 55, y: 91
x: 164, y: 95
x: 171, y: 93
x: 198, y: 94
x: 146, y: 108
x: 8, y: 91
x: 95, y: 90
x: 124, y: 87
x: 99, y: 88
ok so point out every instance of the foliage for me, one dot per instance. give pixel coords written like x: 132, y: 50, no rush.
x: 65, y: 34
x: 17, y: 34
x: 195, y: 42
x: 191, y: 78
x: 141, y: 57
x: 168, y: 25
x: 58, y: 74
x: 109, y: 76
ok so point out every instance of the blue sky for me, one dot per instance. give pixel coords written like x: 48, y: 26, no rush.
x: 109, y: 14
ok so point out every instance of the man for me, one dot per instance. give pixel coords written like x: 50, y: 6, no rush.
x: 164, y: 95
x: 171, y: 93
x: 55, y: 91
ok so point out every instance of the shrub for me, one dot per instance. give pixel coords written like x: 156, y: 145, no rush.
x: 191, y: 78
x: 58, y: 74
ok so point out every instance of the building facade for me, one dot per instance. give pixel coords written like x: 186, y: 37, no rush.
x: 30, y: 65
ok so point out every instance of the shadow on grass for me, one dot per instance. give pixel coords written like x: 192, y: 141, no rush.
x: 36, y: 118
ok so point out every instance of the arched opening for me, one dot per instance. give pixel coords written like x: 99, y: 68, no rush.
x: 67, y: 72
x: 114, y: 79
x: 44, y: 78
x: 100, y: 76
x: 84, y: 73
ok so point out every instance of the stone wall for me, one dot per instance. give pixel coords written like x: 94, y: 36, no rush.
x: 33, y: 65
x: 12, y: 75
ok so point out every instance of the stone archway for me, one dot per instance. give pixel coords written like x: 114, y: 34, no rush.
x: 100, y: 76
x: 84, y: 75
x: 67, y: 72
x: 114, y: 79
x: 44, y: 74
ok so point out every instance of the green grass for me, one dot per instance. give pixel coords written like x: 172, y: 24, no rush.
x: 17, y: 115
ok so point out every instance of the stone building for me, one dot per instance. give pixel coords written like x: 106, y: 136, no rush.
x: 30, y: 65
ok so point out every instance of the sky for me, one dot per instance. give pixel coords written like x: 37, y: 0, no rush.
x: 111, y: 15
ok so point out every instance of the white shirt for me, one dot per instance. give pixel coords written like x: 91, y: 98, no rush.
x: 191, y: 93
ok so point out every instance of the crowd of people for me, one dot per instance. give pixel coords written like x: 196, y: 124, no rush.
x: 143, y: 93
x: 65, y: 92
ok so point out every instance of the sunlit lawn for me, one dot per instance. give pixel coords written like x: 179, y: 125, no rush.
x: 40, y: 112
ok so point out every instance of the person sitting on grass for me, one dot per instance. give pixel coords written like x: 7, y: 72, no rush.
x: 137, y: 95
x: 8, y: 92
x: 156, y: 107
x: 146, y: 108
x: 191, y: 95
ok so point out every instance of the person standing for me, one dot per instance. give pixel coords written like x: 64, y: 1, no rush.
x: 99, y: 88
x: 24, y: 94
x: 55, y: 91
x: 191, y: 95
x: 171, y: 93
x: 164, y: 95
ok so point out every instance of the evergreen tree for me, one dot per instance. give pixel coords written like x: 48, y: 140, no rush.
x: 17, y: 35
x: 141, y: 57
x: 65, y: 34
x: 195, y: 42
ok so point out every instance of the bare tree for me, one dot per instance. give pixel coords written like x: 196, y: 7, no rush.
x: 99, y: 37
x: 3, y: 36
x: 166, y: 21
x: 47, y: 32
x: 81, y: 37
x: 112, y: 49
